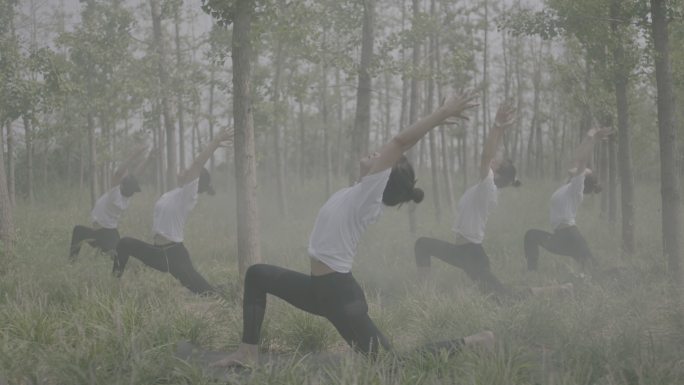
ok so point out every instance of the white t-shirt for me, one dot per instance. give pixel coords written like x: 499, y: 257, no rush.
x: 565, y: 201
x: 474, y: 207
x: 172, y: 209
x: 108, y: 208
x: 343, y: 219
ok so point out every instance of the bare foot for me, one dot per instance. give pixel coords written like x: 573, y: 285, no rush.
x: 245, y: 355
x: 484, y: 340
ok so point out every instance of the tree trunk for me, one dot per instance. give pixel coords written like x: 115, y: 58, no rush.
x: 277, y: 131
x: 28, y: 132
x: 6, y: 221
x: 11, y: 180
x: 179, y: 90
x: 339, y: 96
x: 666, y: 134
x: 413, y: 104
x: 92, y: 161
x: 404, y: 79
x: 360, y: 134
x: 326, y: 129
x: 624, y: 151
x: 485, y: 68
x: 387, y: 121
x: 210, y: 118
x: 539, y: 139
x: 603, y: 176
x: 169, y: 125
x: 245, y: 156
x: 301, y: 164
x: 434, y: 164
x: 612, y: 181
x: 517, y: 135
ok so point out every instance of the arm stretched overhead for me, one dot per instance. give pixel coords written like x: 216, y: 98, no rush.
x: 505, y: 116
x: 222, y: 139
x: 391, y: 151
x: 585, y: 149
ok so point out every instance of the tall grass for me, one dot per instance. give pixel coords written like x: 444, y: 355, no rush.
x: 64, y: 323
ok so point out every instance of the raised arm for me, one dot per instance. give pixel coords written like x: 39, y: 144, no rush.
x: 391, y: 151
x: 128, y: 163
x: 586, y: 148
x: 223, y: 138
x: 505, y: 116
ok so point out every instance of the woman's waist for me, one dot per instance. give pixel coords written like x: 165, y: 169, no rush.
x: 161, y: 240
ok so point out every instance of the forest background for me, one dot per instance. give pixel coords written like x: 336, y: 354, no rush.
x: 310, y: 87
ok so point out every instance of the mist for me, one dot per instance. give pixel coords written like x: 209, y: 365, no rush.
x: 158, y: 153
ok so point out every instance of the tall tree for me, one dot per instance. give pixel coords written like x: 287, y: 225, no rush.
x: 361, y: 131
x: 163, y: 76
x: 666, y: 133
x: 180, y: 109
x: 6, y: 221
x: 621, y: 71
x: 240, y: 13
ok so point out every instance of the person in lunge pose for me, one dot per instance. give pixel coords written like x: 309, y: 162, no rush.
x: 566, y: 238
x: 104, y: 233
x: 330, y: 290
x: 167, y: 252
x: 466, y: 251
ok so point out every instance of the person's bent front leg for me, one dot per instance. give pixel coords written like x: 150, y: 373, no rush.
x: 533, y: 239
x: 129, y: 247
x: 79, y: 235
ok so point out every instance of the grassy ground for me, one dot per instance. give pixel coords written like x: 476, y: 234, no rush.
x: 75, y: 324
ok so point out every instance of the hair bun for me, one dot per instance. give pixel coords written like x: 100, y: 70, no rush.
x: 418, y: 195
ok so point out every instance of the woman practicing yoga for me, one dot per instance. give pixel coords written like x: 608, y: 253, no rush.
x: 105, y: 215
x: 466, y: 251
x: 167, y: 253
x: 566, y: 238
x: 330, y: 290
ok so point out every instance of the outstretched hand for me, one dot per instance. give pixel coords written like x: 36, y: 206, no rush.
x: 457, y: 104
x: 600, y: 132
x: 225, y: 137
x: 505, y: 116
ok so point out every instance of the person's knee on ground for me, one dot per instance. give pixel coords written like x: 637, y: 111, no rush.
x: 245, y: 355
x: 78, y: 236
x: 123, y: 251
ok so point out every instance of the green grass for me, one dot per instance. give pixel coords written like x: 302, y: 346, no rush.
x: 64, y: 323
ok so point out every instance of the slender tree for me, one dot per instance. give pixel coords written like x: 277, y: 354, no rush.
x: 361, y: 131
x: 163, y: 76
x: 241, y: 13
x: 666, y: 134
x: 621, y: 79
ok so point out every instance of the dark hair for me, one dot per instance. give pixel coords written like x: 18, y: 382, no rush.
x: 205, y: 182
x: 129, y: 186
x: 591, y: 184
x: 505, y: 174
x: 400, y: 187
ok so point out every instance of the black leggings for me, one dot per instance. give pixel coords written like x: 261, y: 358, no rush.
x: 567, y: 241
x: 335, y: 296
x: 102, y: 239
x: 470, y: 257
x: 172, y: 258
